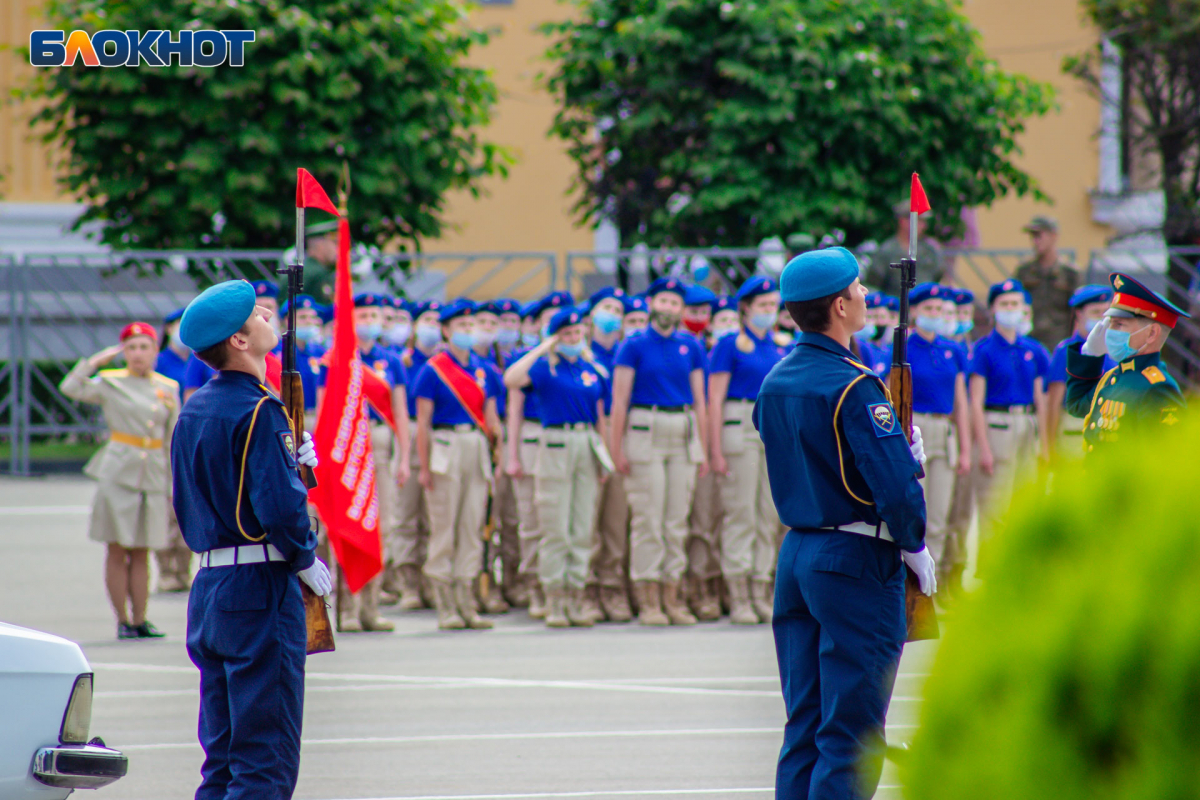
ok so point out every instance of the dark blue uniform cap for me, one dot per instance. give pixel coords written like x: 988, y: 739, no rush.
x: 614, y: 292
x: 1091, y: 293
x: 372, y: 300
x: 635, y: 303
x: 174, y: 315
x: 699, y: 296
x: 217, y: 313
x: 265, y: 289
x: 891, y: 303
x: 725, y: 303
x: 427, y: 306
x: 755, y: 286
x: 876, y: 300
x: 502, y: 305
x: 1004, y: 287
x: 818, y: 273
x: 929, y: 291
x: 325, y: 313
x: 556, y: 300
x: 302, y: 301
x: 461, y: 307
x: 531, y: 309
x: 963, y: 297
x: 1131, y: 297
x: 668, y: 285
x: 564, y: 318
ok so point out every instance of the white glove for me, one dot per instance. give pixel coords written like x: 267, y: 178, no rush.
x: 1094, y: 346
x: 307, y: 454
x: 317, y: 578
x: 917, y: 446
x: 921, y: 563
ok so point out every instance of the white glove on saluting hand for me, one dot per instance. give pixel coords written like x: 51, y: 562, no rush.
x: 307, y: 454
x: 921, y: 563
x: 1094, y: 345
x: 317, y: 578
x: 917, y: 446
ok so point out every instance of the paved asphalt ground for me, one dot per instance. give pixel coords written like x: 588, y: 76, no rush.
x: 518, y: 713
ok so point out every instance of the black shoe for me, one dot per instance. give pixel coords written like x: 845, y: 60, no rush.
x: 126, y: 631
x: 147, y: 631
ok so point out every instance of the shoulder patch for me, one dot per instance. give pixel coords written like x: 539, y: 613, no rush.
x: 883, y: 419
x: 158, y: 376
x: 114, y: 373
x: 1168, y: 416
x: 856, y: 364
x: 289, y: 443
x: 1153, y: 374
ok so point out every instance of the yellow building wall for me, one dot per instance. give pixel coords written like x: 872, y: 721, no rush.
x: 26, y: 172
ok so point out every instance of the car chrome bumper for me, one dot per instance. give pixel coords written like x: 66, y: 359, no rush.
x: 79, y: 766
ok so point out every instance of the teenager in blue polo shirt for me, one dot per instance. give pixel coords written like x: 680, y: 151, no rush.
x: 637, y: 315
x: 1063, y: 431
x: 173, y: 357
x: 658, y: 433
x: 611, y: 542
x: 309, y: 352
x: 962, y: 505
x: 456, y: 419
x: 750, y: 534
x: 562, y: 372
x: 1007, y: 401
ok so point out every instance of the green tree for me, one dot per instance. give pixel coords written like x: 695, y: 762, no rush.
x: 700, y: 122
x: 184, y: 157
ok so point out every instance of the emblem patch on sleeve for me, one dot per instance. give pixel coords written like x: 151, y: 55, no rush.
x: 289, y: 443
x: 883, y: 419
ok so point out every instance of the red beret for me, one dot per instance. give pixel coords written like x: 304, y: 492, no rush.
x: 139, y: 329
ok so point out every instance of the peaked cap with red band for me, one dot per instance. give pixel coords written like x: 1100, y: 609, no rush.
x: 1132, y: 297
x: 139, y: 329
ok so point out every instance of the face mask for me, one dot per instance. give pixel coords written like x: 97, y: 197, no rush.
x: 368, y: 333
x: 949, y: 327
x: 1117, y: 344
x: 696, y: 326
x: 664, y: 319
x: 765, y: 321
x: 530, y: 339
x: 606, y: 322
x: 866, y: 334
x: 1025, y: 327
x: 428, y: 335
x: 964, y: 326
x: 721, y: 333
x: 929, y: 324
x: 308, y: 334
x: 570, y: 350
x: 399, y: 334
x: 1009, y: 319
x: 545, y: 331
x: 507, y: 337
x: 632, y: 329
x: 1090, y: 324
x: 483, y: 339
x: 464, y: 340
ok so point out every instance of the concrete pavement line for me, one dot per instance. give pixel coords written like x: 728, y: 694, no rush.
x: 41, y: 511
x: 613, y: 793
x: 544, y: 684
x: 118, y: 667
x: 120, y: 693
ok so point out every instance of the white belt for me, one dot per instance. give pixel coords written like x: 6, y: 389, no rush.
x: 865, y: 529
x: 245, y: 554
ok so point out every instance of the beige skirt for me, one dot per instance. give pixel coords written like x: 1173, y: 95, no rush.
x: 129, y: 517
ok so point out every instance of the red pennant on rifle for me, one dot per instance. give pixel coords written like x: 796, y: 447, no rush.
x: 309, y: 193
x: 918, y: 203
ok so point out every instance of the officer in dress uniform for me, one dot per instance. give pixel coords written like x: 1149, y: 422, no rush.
x: 844, y: 481
x: 456, y: 421
x: 243, y: 507
x: 562, y: 372
x: 174, y: 560
x: 1138, y: 393
x: 658, y: 432
x: 611, y: 539
x: 1007, y: 402
x: 749, y: 535
x: 133, y: 469
x: 1063, y: 431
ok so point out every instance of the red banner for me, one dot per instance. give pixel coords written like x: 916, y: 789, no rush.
x: 309, y: 193
x: 462, y: 385
x: 345, y: 495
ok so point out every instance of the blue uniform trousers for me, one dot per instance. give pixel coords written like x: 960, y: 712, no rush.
x: 246, y: 634
x: 839, y: 629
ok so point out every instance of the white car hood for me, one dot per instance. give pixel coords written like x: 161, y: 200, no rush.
x: 29, y: 651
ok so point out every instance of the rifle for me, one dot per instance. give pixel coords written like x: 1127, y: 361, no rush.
x: 316, y: 617
x: 919, y: 612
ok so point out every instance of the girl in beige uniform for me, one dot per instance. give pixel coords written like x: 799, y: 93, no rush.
x: 129, y: 510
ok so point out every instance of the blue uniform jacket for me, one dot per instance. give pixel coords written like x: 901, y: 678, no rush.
x: 213, y: 468
x: 872, y: 478
x: 170, y: 364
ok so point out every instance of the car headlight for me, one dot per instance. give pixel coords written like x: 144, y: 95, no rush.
x: 78, y: 719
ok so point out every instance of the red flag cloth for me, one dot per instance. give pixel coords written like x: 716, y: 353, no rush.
x: 379, y: 395
x: 309, y: 193
x: 466, y: 388
x: 918, y: 202
x: 345, y: 493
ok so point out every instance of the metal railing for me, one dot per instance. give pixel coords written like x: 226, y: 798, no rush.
x: 978, y: 269
x: 634, y: 270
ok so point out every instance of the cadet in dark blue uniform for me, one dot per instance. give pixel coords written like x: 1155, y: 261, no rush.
x: 1088, y: 304
x: 242, y: 506
x: 197, y: 373
x: 844, y: 481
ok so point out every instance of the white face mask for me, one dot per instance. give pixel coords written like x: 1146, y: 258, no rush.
x: 1010, y: 319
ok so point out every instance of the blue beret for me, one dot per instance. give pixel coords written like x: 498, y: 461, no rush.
x: 667, y: 285
x: 891, y: 303
x: 818, y: 273
x: 635, y: 303
x: 502, y: 305
x: 1091, y: 293
x: 876, y: 300
x: 699, y: 296
x: 264, y: 289
x: 174, y: 315
x: 218, y: 313
x: 555, y: 300
x: 614, y: 292
x: 426, y: 306
x: 565, y: 317
x: 1004, y: 287
x: 530, y: 309
x: 755, y: 286
x: 372, y: 300
x: 404, y: 305
x: 325, y: 314
x: 964, y: 297
x: 725, y: 303
x: 929, y: 291
x: 461, y: 307
x: 302, y: 301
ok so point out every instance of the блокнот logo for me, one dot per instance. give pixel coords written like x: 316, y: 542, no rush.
x: 133, y: 48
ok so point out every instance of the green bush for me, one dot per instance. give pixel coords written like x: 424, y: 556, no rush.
x: 1074, y: 674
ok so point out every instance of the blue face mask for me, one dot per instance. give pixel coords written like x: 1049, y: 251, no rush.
x: 462, y: 339
x: 964, y: 327
x: 721, y: 333
x: 369, y: 332
x: 766, y: 321
x: 1117, y: 344
x: 429, y: 335
x: 865, y: 334
x: 399, y: 334
x: 570, y: 350
x: 309, y: 333
x: 530, y: 339
x: 1010, y: 319
x: 606, y: 322
x: 929, y: 324
x: 507, y: 337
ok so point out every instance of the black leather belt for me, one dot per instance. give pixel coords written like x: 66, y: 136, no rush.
x: 1008, y: 409
x: 574, y: 426
x: 661, y: 409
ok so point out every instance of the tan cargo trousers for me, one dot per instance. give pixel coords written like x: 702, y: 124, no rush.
x: 610, y: 543
x: 408, y: 544
x: 461, y: 467
x: 1012, y: 437
x: 529, y: 532
x: 941, y: 454
x: 751, y: 524
x: 567, y: 485
x: 704, y: 529
x: 663, y: 450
